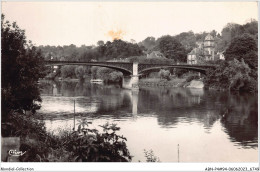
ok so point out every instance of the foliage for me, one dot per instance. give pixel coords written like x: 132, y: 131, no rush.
x: 107, y: 74
x: 232, y: 75
x: 79, y: 72
x: 118, y: 50
x: 94, y: 72
x: 21, y: 69
x: 150, y: 157
x: 88, y: 145
x: 68, y: 71
x: 115, y: 76
x: 154, y: 60
x: 172, y: 49
x: 99, y: 43
x: 187, y: 39
x: 232, y: 30
x: 148, y: 43
x: 82, y: 71
x: 164, y: 74
x: 243, y: 47
x: 34, y: 138
x: 85, y: 144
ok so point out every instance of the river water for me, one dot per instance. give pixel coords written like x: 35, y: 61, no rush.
x: 208, y: 126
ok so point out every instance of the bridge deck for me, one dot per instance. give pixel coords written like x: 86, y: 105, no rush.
x: 129, y: 63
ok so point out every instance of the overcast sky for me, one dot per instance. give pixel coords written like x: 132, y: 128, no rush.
x: 65, y: 23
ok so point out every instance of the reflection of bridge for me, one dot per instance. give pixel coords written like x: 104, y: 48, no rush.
x: 133, y: 69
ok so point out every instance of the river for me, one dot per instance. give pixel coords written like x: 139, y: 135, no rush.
x: 208, y: 126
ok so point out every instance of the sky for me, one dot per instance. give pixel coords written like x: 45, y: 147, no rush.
x: 79, y: 23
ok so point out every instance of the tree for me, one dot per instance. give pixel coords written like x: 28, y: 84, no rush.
x: 164, y: 74
x: 148, y: 43
x: 68, y: 71
x: 243, y: 47
x: 99, y: 43
x: 187, y: 39
x: 172, y: 49
x: 79, y: 72
x: 232, y: 30
x: 22, y: 66
x: 232, y: 75
x: 119, y: 50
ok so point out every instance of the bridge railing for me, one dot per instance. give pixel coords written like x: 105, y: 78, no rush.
x: 96, y: 62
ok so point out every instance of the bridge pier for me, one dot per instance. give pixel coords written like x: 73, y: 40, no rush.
x: 131, y: 82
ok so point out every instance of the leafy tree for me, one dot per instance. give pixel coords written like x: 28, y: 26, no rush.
x: 115, y: 76
x: 79, y: 72
x: 213, y: 33
x: 148, y: 42
x: 232, y: 30
x: 172, y: 49
x: 243, y: 47
x: 187, y: 39
x: 201, y: 36
x: 164, y: 74
x: 22, y: 66
x: 68, y: 71
x: 119, y: 50
x: 100, y: 43
x: 234, y: 75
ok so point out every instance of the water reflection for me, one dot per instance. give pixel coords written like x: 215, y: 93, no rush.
x: 240, y: 120
x: 230, y: 120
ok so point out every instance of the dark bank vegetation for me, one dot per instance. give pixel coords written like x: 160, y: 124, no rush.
x: 239, y: 71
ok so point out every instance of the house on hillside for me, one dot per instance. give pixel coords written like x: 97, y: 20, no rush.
x: 193, y: 56
x: 204, y: 52
x: 155, y: 54
x: 209, y: 48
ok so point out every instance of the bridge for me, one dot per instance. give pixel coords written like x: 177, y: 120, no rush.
x: 132, y: 71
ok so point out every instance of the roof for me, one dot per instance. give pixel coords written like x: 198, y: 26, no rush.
x: 155, y: 54
x: 209, y: 38
x: 194, y: 51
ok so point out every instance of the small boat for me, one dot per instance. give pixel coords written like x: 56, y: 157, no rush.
x: 96, y: 81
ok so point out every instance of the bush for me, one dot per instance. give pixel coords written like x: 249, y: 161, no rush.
x: 88, y: 145
x: 68, y: 71
x: 150, y: 157
x: 107, y: 74
x: 233, y: 75
x: 115, y: 76
x: 192, y: 77
x: 164, y: 74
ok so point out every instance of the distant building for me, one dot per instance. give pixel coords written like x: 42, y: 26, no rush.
x: 209, y: 47
x: 192, y: 56
x: 204, y: 52
x: 155, y: 54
